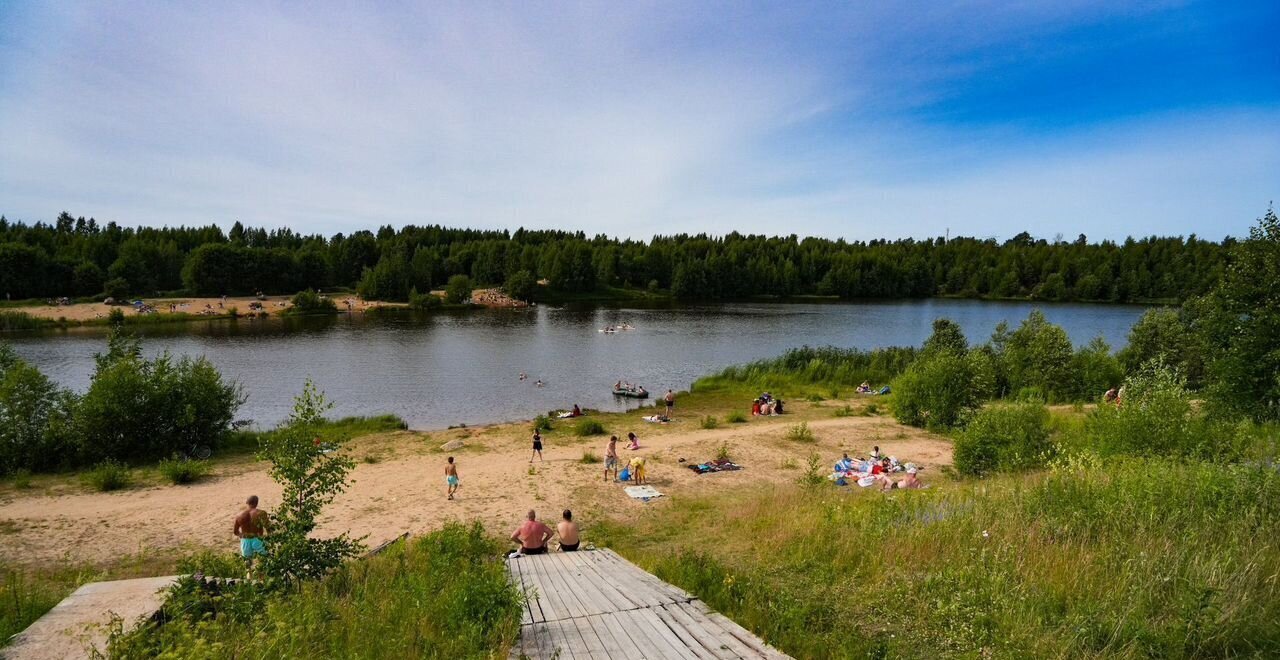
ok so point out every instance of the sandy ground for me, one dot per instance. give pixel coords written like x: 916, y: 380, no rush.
x: 404, y: 490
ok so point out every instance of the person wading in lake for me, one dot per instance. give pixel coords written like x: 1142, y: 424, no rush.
x: 670, y: 398
x: 537, y: 446
x: 250, y: 526
x: 451, y: 477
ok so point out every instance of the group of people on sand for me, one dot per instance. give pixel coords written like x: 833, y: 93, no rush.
x: 766, y: 404
x: 635, y: 466
x: 865, y: 388
x: 879, y: 468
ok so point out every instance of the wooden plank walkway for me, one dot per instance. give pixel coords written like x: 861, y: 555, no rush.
x: 594, y: 604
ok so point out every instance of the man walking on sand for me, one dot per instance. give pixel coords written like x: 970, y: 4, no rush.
x: 670, y: 398
x: 250, y: 526
x: 611, y: 458
x: 451, y: 477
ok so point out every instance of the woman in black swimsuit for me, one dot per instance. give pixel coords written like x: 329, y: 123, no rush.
x: 537, y: 446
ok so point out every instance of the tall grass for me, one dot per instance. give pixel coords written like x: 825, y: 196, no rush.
x: 814, y: 370
x: 22, y: 601
x: 588, y: 427
x: 12, y: 321
x: 444, y: 595
x: 1129, y: 558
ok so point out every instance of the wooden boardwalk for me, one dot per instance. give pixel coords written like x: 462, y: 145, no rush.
x: 595, y: 604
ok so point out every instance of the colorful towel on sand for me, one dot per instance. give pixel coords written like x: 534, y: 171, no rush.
x: 714, y: 466
x: 642, y: 492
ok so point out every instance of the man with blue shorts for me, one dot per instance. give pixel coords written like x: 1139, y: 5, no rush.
x: 251, y: 525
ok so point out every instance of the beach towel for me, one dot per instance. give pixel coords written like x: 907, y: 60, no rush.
x: 642, y: 492
x: 866, y: 481
x: 714, y: 466
x: 656, y: 419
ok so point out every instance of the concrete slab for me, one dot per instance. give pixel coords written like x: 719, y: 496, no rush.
x: 79, y: 622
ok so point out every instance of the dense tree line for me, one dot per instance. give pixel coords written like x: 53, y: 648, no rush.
x: 79, y: 257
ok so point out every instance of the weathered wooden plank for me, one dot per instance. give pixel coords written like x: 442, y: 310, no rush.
x: 584, y: 585
x: 695, y: 611
x: 616, y: 645
x: 552, y: 607
x: 686, y: 637
x: 709, y: 642
x: 677, y: 648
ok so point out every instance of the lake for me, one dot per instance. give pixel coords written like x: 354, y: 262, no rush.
x: 436, y: 370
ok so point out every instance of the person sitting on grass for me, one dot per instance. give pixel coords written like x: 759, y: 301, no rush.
x: 844, y: 464
x: 864, y: 388
x: 635, y: 442
x: 532, y: 535
x: 881, y: 467
x: 910, y: 482
x: 568, y: 531
x: 577, y: 412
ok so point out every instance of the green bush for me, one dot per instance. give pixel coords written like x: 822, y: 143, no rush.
x: 1157, y: 418
x: 723, y: 451
x: 1004, y: 438
x: 140, y: 409
x: 116, y: 287
x: 829, y: 367
x: 311, y: 302
x: 1038, y: 354
x: 845, y: 411
x: 212, y: 564
x: 180, y: 470
x: 520, y: 285
x: 12, y: 321
x: 35, y: 418
x: 458, y: 290
x: 426, y: 300
x: 107, y: 476
x: 23, y: 600
x: 589, y: 457
x: 736, y: 417
x: 709, y: 422
x: 939, y: 391
x: 542, y: 423
x: 586, y: 427
x: 800, y: 433
x: 22, y: 479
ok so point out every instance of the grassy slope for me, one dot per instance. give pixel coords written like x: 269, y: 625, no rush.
x: 1130, y: 559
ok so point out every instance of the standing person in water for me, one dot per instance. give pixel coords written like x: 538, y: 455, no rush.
x: 670, y: 398
x: 250, y: 526
x: 537, y: 446
x: 611, y: 458
x: 451, y: 477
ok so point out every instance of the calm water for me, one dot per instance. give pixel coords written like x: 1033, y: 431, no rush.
x: 443, y: 369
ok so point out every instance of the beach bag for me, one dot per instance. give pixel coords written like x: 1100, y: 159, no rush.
x: 625, y: 474
x: 866, y: 481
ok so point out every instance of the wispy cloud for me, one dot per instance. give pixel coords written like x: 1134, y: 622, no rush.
x: 628, y: 120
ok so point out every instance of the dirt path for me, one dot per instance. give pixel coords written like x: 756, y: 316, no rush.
x: 404, y: 490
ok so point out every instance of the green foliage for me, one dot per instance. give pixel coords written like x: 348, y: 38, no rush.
x: 308, y: 301
x: 736, y: 417
x: 180, y: 470
x: 13, y: 321
x: 1123, y: 558
x: 445, y: 594
x: 1006, y: 438
x: 34, y: 417
x: 21, y: 479
x: 940, y: 391
x: 586, y: 427
x: 709, y: 422
x: 143, y: 409
x: 1165, y: 335
x: 116, y: 287
x: 800, y: 433
x: 1039, y: 355
x: 1094, y: 370
x: 458, y: 290
x: 115, y: 317
x: 389, y: 280
x: 1158, y: 419
x: 1239, y: 324
x: 426, y: 300
x: 812, y: 477
x: 107, y: 476
x: 211, y: 563
x: 22, y: 601
x: 589, y: 457
x: 723, y: 451
x: 947, y: 337
x: 520, y: 285
x: 312, y: 473
x: 542, y: 423
x: 826, y: 367
x: 845, y: 411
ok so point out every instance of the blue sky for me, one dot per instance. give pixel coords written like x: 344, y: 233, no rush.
x: 856, y: 120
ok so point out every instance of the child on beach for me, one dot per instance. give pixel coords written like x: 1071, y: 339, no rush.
x: 611, y: 458
x: 637, y: 470
x: 537, y: 446
x: 451, y: 477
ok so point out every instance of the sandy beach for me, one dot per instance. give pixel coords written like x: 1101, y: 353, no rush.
x: 404, y: 491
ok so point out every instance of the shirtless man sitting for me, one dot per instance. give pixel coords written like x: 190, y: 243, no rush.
x: 250, y: 526
x: 911, y: 481
x: 532, y: 535
x: 568, y: 531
